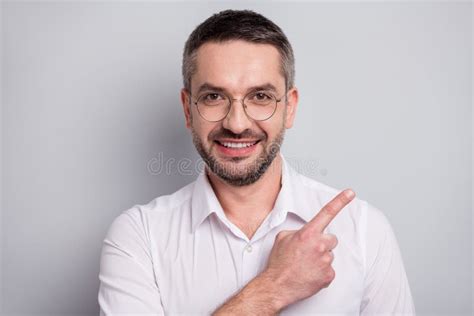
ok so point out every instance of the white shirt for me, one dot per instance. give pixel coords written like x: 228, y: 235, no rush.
x: 179, y: 254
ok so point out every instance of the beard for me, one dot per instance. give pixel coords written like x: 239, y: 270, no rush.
x: 232, y: 172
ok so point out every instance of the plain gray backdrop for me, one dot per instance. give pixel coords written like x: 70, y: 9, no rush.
x: 90, y: 109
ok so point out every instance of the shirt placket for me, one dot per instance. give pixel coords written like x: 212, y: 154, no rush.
x: 250, y: 252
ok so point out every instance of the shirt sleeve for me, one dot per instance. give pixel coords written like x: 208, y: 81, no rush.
x: 386, y: 287
x: 127, y: 281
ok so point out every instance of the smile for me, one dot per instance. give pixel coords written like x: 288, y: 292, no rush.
x: 236, y: 149
x: 237, y: 145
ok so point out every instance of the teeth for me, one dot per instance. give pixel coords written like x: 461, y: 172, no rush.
x: 238, y: 145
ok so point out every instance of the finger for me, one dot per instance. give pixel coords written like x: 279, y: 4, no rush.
x: 330, y: 240
x: 330, y: 257
x: 283, y: 233
x: 329, y: 211
x: 327, y: 242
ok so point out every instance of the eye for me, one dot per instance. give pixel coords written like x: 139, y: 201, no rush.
x: 212, y: 97
x: 260, y: 98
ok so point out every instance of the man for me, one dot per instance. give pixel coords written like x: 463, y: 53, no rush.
x: 250, y: 235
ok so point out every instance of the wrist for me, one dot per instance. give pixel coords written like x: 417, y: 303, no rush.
x: 261, y: 296
x: 269, y: 284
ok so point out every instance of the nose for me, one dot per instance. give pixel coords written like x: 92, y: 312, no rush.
x: 237, y: 120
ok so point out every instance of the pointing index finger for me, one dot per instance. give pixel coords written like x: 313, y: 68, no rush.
x: 321, y: 220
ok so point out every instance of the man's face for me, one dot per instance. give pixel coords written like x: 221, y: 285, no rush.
x: 238, y: 149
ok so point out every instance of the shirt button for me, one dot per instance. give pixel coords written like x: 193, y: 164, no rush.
x: 249, y: 248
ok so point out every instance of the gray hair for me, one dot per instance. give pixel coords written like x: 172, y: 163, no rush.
x: 238, y: 25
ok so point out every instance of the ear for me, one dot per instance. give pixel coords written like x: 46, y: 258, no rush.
x: 291, y: 106
x: 185, y: 98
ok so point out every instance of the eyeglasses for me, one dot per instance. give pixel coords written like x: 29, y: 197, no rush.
x: 258, y: 105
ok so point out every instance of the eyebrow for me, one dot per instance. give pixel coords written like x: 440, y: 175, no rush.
x: 207, y: 86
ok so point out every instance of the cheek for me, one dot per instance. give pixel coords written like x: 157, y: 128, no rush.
x: 273, y: 126
x: 195, y: 121
x: 203, y: 129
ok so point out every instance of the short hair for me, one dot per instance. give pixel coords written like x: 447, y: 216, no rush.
x: 238, y: 25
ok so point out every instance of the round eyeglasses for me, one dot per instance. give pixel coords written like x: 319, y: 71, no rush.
x: 215, y: 106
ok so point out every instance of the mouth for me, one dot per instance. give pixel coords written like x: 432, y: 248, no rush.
x: 234, y: 148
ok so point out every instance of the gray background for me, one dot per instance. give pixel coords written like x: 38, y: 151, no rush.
x: 90, y: 96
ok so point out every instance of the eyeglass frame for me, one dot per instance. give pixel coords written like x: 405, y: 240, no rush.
x: 243, y: 105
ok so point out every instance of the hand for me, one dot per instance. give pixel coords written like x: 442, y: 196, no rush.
x: 300, y: 260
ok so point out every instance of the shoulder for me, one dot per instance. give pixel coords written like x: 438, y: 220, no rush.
x: 318, y: 194
x: 359, y: 225
x: 323, y: 193
x: 138, y: 220
x: 356, y: 220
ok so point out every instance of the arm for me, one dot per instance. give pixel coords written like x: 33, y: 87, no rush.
x: 127, y: 283
x: 258, y: 297
x: 386, y: 288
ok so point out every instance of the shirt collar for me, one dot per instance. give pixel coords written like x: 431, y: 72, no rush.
x: 292, y: 198
x: 204, y: 201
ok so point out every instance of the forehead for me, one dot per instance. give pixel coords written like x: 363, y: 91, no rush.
x: 237, y: 65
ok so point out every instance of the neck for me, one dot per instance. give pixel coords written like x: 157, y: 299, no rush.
x: 247, y: 206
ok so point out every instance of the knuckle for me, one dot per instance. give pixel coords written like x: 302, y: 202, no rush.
x: 328, y: 257
x: 328, y: 277
x: 343, y: 198
x: 303, y: 236
x: 327, y: 281
x: 280, y: 235
x: 321, y: 247
x: 331, y: 275
x: 332, y: 239
x: 330, y: 209
x: 283, y: 233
